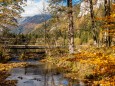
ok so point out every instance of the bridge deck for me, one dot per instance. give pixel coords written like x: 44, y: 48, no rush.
x: 28, y: 47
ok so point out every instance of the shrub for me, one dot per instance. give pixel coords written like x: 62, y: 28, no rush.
x: 78, y: 41
x: 91, y: 42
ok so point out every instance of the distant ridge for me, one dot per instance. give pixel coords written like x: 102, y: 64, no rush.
x: 27, y: 24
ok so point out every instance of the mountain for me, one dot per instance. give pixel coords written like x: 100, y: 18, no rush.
x: 85, y: 6
x: 27, y: 24
x: 36, y: 19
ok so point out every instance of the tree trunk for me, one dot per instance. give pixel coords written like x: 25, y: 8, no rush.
x: 70, y: 28
x: 93, y: 22
x: 107, y: 13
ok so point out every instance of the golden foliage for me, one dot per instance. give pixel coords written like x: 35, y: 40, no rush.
x: 8, y: 66
x: 108, y: 22
x: 95, y: 65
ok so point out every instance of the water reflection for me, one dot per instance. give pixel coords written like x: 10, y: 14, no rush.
x: 38, y: 75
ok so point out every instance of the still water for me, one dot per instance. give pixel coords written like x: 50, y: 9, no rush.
x: 36, y: 74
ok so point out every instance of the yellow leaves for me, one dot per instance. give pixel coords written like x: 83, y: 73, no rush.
x: 103, y: 65
x: 7, y: 67
x: 71, y: 76
x: 108, y: 22
x: 113, y: 15
x: 107, y: 81
x: 74, y: 67
x: 1, y: 0
x: 89, y: 62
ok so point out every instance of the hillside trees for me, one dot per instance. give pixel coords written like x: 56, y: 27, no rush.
x: 107, y: 23
x: 96, y: 26
x: 69, y: 12
x: 9, y: 11
x: 59, y: 17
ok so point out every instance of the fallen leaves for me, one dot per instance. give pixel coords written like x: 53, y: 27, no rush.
x: 98, y: 65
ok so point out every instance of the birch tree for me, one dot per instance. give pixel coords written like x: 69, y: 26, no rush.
x: 70, y: 27
x: 69, y: 11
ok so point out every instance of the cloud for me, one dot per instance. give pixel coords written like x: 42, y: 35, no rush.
x: 34, y: 7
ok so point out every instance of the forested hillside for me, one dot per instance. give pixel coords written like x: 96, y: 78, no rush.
x: 82, y: 23
x: 27, y: 24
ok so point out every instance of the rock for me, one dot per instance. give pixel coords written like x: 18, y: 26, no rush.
x: 85, y: 7
x: 20, y: 77
x: 37, y: 79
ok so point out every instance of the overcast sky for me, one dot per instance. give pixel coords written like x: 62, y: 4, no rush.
x: 34, y: 7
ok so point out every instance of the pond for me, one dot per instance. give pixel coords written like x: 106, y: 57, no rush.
x: 37, y: 75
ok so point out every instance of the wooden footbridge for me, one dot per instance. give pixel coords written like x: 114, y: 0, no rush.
x: 30, y: 47
x: 7, y: 45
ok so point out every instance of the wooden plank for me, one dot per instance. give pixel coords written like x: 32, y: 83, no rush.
x: 30, y: 47
x: 25, y: 47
